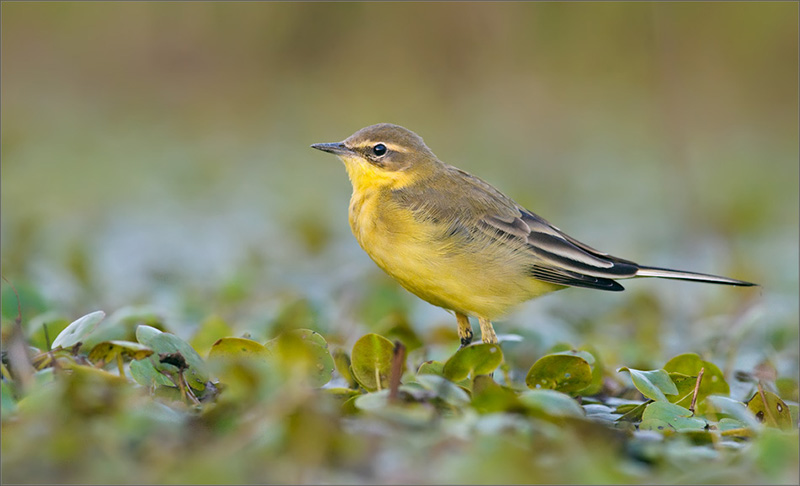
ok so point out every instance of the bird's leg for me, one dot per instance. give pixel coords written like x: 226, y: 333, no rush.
x: 487, y: 331
x: 464, y: 329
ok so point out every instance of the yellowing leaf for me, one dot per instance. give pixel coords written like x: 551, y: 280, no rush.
x: 773, y: 413
x: 108, y: 351
x: 232, y: 347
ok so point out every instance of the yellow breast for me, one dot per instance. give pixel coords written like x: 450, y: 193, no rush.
x: 449, y: 270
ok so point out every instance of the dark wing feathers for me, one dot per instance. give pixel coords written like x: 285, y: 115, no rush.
x: 558, y: 258
x: 565, y: 277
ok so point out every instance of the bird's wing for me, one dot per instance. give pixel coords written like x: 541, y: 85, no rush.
x: 558, y: 258
x: 554, y: 257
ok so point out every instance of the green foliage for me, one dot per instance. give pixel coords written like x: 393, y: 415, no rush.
x: 372, y: 362
x: 552, y: 403
x: 473, y: 360
x: 304, y: 355
x: 661, y: 415
x: 174, y: 357
x: 566, y: 373
x: 684, y: 369
x: 268, y: 397
x: 653, y: 384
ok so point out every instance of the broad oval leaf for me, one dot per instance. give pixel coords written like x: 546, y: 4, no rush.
x: 144, y: 372
x: 304, y: 354
x: 444, y: 389
x: 372, y: 361
x: 773, y: 413
x: 210, y: 330
x: 551, y: 402
x: 690, y: 364
x: 488, y: 396
x: 234, y: 347
x: 78, y: 329
x: 677, y: 417
x: 477, y: 359
x: 566, y: 373
x: 145, y: 333
x: 655, y: 384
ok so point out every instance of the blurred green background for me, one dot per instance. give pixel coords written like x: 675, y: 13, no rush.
x: 158, y: 153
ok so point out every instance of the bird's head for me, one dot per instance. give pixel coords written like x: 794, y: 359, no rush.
x: 382, y: 156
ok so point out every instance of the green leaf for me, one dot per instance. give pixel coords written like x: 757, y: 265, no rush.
x: 372, y: 361
x: 474, y: 360
x: 304, y: 355
x: 409, y: 414
x: 655, y: 424
x: 233, y: 347
x: 8, y: 404
x: 164, y: 343
x: 632, y: 413
x: 144, y: 372
x: 444, y: 389
x: 733, y: 408
x: 773, y: 413
x: 431, y: 368
x: 551, y: 402
x: 342, y: 362
x: 689, y: 365
x: 489, y: 397
x: 211, y: 330
x: 653, y: 384
x: 78, y: 329
x: 145, y: 333
x: 566, y: 373
x: 675, y: 416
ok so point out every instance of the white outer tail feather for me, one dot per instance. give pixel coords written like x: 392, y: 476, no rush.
x: 681, y: 275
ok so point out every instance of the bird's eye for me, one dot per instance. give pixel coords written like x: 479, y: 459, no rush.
x: 379, y: 149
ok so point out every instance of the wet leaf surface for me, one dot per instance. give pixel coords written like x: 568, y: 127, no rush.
x: 561, y: 372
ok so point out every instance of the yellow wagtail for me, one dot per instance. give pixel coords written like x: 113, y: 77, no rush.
x: 459, y: 243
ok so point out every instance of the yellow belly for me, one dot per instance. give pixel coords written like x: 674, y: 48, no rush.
x: 451, y: 271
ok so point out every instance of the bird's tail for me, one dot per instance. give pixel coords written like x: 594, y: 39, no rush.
x: 681, y: 275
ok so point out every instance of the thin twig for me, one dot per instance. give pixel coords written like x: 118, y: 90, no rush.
x: 46, y: 336
x: 696, y: 389
x: 19, y: 362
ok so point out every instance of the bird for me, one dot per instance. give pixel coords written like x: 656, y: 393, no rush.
x: 456, y: 242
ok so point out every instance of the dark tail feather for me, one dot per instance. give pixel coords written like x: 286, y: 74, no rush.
x: 681, y: 275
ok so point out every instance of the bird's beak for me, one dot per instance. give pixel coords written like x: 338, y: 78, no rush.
x: 337, y: 148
